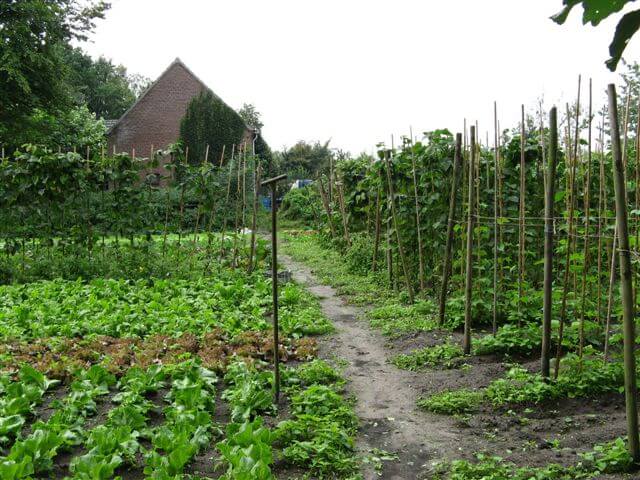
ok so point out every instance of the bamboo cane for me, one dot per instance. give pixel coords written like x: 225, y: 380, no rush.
x: 199, y: 204
x: 212, y: 215
x: 466, y: 342
x: 637, y: 197
x: 226, y: 202
x: 630, y: 387
x: 238, y: 217
x: 500, y: 204
x: 494, y: 306
x: 601, y: 208
x: 612, y: 280
x: 182, y: 191
x: 465, y: 194
x: 548, y: 244
x: 343, y: 213
x: 521, y: 227
x: 585, y: 252
x: 446, y: 268
x: 567, y: 264
x: 376, y: 243
x: 254, y: 219
x: 403, y: 261
x: 327, y: 207
x: 417, y: 208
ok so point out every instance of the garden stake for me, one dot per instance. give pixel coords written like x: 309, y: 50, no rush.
x: 494, y: 306
x: 199, y: 204
x: 466, y: 342
x: 612, y: 279
x: 601, y: 208
x: 238, y: 217
x: 521, y: 220
x: 446, y: 267
x: 500, y: 205
x: 630, y: 388
x: 343, y: 213
x: 637, y: 197
x: 376, y: 245
x: 548, y: 243
x: 571, y: 167
x: 417, y: 205
x: 465, y: 195
x: 327, y: 207
x: 226, y: 202
x: 183, y: 186
x: 403, y: 261
x: 272, y: 182
x: 585, y: 253
x: 254, y: 219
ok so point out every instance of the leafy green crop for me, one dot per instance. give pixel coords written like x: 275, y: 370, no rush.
x: 247, y: 451
x: 453, y: 402
x: 446, y: 354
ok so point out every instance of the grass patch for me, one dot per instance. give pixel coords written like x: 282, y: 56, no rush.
x: 578, y: 378
x: 396, y: 319
x: 607, y: 458
x: 447, y: 355
x: 329, y: 265
x: 453, y: 402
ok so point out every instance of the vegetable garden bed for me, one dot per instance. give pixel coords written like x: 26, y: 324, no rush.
x: 165, y: 378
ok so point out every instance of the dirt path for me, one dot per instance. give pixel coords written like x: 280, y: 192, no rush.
x: 386, y: 396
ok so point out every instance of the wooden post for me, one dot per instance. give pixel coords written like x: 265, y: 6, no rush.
x: 212, y: 214
x: 446, y: 267
x: 199, y: 204
x: 417, y: 207
x: 602, y: 206
x: 637, y: 198
x: 612, y: 281
x: 630, y: 388
x: 327, y: 207
x: 254, y: 219
x: 521, y: 215
x: 571, y: 162
x: 587, y: 212
x: 494, y: 306
x: 226, y: 202
x: 272, y: 182
x: 468, y: 297
x: 548, y: 243
x: 182, y: 191
x: 343, y: 213
x: 403, y: 260
x: 376, y: 244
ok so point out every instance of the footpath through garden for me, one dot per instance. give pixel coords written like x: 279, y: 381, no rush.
x: 386, y: 396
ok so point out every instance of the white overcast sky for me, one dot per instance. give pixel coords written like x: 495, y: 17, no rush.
x: 358, y: 71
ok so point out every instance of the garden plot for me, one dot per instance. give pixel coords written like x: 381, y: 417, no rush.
x: 166, y: 378
x: 485, y: 415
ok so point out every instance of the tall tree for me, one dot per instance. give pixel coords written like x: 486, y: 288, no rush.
x: 106, y: 89
x: 34, y: 35
x: 251, y: 116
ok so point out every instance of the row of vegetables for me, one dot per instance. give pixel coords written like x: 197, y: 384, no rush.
x: 319, y: 434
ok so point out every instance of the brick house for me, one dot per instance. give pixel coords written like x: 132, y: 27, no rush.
x: 153, y: 121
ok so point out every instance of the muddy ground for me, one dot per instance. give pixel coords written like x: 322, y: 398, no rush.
x: 531, y: 435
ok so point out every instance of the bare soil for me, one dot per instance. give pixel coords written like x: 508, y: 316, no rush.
x: 531, y: 435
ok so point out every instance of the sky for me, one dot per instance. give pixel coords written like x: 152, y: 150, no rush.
x: 357, y: 72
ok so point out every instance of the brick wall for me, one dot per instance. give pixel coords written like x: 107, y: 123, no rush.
x: 154, y: 121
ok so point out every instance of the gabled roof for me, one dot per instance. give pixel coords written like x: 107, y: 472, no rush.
x: 111, y: 124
